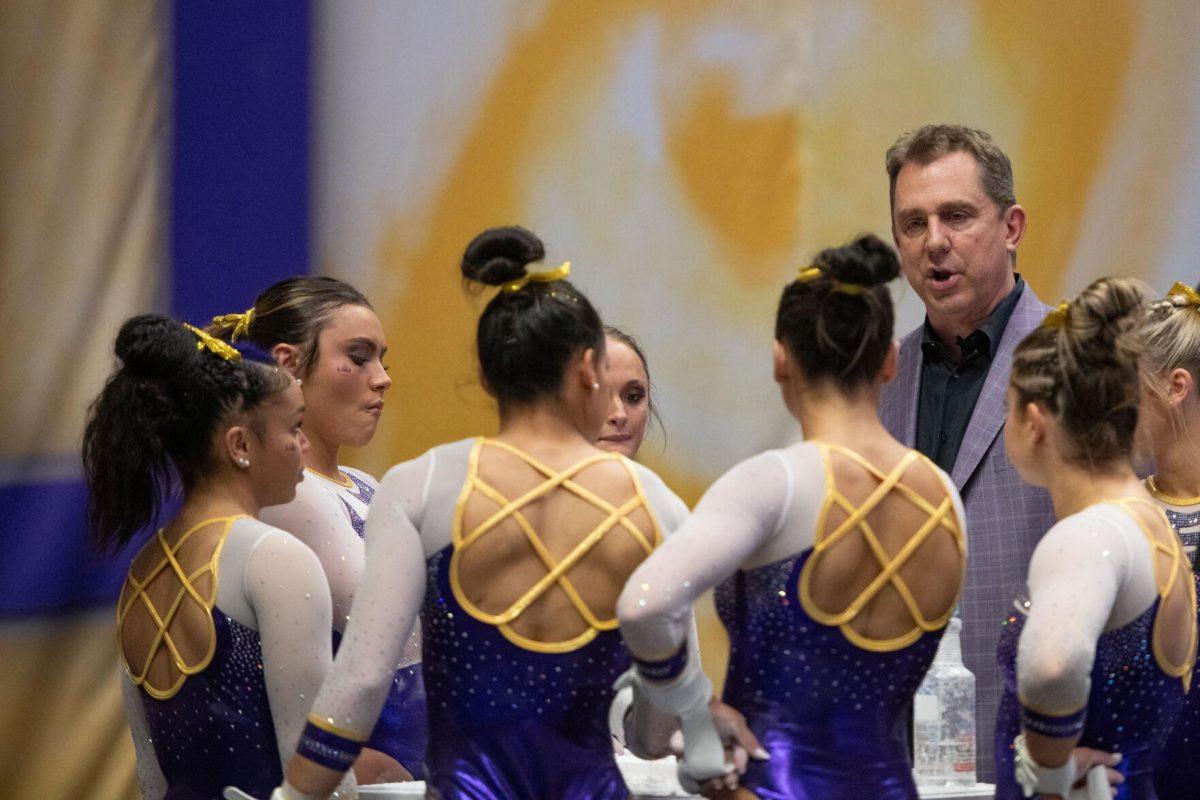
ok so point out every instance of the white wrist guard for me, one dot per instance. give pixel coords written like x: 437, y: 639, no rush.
x: 703, y: 750
x: 690, y: 691
x: 1034, y: 778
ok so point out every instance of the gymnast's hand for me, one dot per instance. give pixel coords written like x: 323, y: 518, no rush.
x: 740, y: 745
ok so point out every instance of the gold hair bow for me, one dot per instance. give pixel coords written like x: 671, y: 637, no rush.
x: 810, y: 274
x: 240, y: 322
x: 1188, y: 293
x: 538, y: 277
x: 1057, y: 319
x: 213, y: 345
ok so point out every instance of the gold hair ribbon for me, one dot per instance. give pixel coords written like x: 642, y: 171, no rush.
x: 538, y: 277
x: 239, y: 322
x: 1057, y: 319
x: 810, y: 274
x: 213, y: 345
x: 1188, y: 293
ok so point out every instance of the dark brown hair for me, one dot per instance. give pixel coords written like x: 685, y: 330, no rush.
x: 1083, y: 366
x: 835, y: 334
x: 526, y: 338
x: 295, y: 311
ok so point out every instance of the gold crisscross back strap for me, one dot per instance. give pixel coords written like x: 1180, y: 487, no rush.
x: 942, y: 516
x: 133, y: 593
x: 556, y: 570
x: 1177, y: 574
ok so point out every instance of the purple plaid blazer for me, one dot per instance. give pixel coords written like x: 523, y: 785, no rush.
x: 1005, y: 516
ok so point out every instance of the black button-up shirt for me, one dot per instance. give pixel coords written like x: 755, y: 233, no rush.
x: 949, y: 391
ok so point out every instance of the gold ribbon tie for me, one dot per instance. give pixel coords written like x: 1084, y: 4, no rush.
x: 239, y: 322
x: 810, y: 274
x: 1056, y: 320
x: 213, y: 345
x: 1188, y: 293
x: 538, y: 277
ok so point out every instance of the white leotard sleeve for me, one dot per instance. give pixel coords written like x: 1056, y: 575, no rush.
x: 317, y: 518
x: 1090, y: 573
x: 385, y: 606
x: 734, y: 519
x: 151, y: 782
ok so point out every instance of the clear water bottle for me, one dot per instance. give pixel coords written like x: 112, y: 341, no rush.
x: 944, y: 717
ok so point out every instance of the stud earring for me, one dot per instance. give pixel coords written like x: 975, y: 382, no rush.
x: 243, y: 462
x: 595, y: 386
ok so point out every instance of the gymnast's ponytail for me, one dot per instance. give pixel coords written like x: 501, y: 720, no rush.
x: 536, y: 323
x: 836, y: 317
x: 1082, y: 364
x: 152, y: 425
x: 293, y: 311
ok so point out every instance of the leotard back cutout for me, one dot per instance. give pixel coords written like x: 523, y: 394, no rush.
x: 556, y: 575
x: 941, y: 517
x: 182, y: 619
x: 1175, y: 654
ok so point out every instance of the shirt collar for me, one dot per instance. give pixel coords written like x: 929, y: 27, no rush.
x: 992, y: 328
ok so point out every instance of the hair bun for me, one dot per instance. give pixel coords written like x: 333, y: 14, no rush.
x: 1111, y: 300
x: 867, y: 261
x: 1104, y: 312
x: 499, y: 255
x: 151, y: 344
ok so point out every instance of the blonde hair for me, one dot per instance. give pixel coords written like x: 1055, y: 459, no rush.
x: 1084, y: 369
x: 1170, y: 330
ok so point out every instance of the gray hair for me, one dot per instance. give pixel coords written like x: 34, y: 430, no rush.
x: 931, y: 142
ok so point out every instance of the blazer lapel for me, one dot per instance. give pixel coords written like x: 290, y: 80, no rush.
x: 988, y: 417
x: 908, y: 380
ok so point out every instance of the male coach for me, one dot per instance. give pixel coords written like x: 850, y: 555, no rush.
x: 957, y: 225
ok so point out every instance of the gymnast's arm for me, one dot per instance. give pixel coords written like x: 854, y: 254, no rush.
x: 293, y: 618
x: 317, y: 518
x: 640, y: 725
x: 736, y: 516
x: 385, y: 608
x: 1075, y: 577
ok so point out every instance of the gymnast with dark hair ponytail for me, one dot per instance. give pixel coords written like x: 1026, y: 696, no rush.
x: 513, y: 549
x: 221, y: 659
x: 820, y: 555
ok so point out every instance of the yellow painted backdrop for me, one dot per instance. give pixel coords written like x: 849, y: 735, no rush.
x: 687, y: 157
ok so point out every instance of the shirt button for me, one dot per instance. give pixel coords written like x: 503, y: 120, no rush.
x: 942, y: 438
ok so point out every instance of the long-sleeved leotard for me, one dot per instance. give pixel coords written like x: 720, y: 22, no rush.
x: 228, y: 719
x: 823, y: 699
x: 1097, y: 650
x: 1178, y: 775
x: 511, y: 716
x: 329, y: 515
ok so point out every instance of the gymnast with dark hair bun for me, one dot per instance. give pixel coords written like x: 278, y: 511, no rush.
x: 221, y: 658
x: 512, y: 549
x: 820, y: 555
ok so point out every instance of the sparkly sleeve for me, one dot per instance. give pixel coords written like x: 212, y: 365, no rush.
x: 151, y: 782
x: 1075, y: 576
x: 385, y: 607
x: 735, y: 517
x: 317, y: 518
x: 293, y: 618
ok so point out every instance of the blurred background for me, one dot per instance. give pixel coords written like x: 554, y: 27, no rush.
x: 687, y: 157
